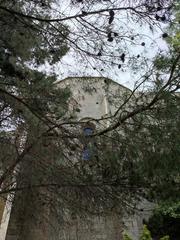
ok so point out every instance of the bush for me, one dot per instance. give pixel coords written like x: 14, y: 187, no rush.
x: 146, y: 235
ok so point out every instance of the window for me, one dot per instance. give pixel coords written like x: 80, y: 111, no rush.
x: 88, y: 131
x: 86, y: 154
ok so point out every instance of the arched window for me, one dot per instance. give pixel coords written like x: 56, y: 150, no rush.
x: 88, y: 130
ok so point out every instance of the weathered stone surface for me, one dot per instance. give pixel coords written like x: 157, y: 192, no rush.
x: 92, y: 98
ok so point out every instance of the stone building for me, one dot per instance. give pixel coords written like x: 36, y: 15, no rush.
x: 91, y: 99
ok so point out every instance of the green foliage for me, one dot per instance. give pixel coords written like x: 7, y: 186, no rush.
x: 146, y: 235
x: 165, y: 238
x: 22, y: 38
x: 26, y: 44
x: 165, y: 220
x: 30, y: 103
x: 171, y: 209
x: 163, y: 62
x: 174, y: 30
x: 126, y: 237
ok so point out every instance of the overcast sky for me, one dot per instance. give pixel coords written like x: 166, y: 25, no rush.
x: 72, y: 64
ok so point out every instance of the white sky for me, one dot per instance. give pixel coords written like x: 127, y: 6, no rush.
x: 72, y: 64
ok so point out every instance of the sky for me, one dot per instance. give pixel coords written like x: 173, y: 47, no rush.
x: 74, y: 63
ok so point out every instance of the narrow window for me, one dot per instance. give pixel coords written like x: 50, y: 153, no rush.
x: 86, y: 154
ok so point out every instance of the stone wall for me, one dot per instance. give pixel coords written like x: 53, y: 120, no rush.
x: 92, y: 98
x: 92, y: 228
x: 5, y: 210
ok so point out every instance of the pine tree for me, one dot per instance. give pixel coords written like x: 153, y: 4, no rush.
x: 28, y: 96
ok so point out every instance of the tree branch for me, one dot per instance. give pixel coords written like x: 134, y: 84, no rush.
x: 81, y: 15
x: 143, y: 108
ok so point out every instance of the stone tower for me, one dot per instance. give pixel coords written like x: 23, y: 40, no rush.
x: 91, y: 99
